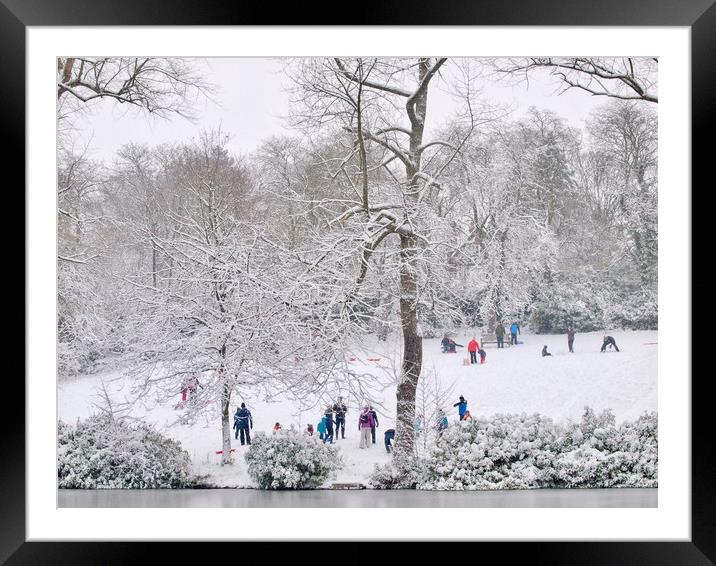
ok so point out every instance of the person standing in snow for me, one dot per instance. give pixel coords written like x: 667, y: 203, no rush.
x: 473, y: 347
x: 609, y: 341
x: 340, y: 409
x: 483, y: 355
x: 243, y: 422
x: 545, y: 352
x: 461, y: 407
x: 441, y: 422
x: 375, y: 423
x: 500, y: 335
x: 321, y: 428
x: 328, y: 418
x: 570, y: 338
x: 277, y: 428
x: 309, y: 430
x: 388, y: 437
x: 514, y: 331
x: 365, y: 423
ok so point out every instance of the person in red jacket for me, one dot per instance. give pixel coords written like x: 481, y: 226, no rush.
x: 473, y: 347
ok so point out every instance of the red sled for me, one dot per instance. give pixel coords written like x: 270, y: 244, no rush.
x: 373, y: 359
x: 221, y: 451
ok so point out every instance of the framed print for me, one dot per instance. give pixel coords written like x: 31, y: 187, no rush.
x: 410, y: 273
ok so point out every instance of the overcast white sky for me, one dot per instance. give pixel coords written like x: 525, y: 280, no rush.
x: 252, y: 102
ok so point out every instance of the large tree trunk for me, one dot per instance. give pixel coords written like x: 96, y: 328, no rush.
x: 412, y: 348
x: 416, y: 107
x: 225, y: 424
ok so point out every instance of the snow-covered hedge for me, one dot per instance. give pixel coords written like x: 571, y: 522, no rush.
x: 530, y: 451
x: 104, y: 452
x: 291, y: 461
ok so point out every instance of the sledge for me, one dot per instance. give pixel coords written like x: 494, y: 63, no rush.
x: 373, y: 359
x: 221, y: 451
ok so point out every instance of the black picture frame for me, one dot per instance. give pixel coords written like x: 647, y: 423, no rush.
x: 699, y: 15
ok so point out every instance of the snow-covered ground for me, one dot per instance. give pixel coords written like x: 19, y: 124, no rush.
x: 513, y: 380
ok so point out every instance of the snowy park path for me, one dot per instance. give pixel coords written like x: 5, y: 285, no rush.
x: 513, y: 380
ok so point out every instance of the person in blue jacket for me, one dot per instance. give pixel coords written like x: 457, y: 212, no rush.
x: 321, y: 428
x: 461, y: 407
x: 242, y: 423
x: 514, y: 331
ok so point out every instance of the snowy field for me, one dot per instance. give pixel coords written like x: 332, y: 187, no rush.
x: 513, y: 380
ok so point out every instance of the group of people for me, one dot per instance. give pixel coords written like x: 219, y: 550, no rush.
x: 607, y: 341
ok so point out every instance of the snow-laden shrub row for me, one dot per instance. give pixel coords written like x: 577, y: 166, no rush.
x: 105, y: 452
x: 530, y: 451
x: 583, y: 308
x: 289, y: 460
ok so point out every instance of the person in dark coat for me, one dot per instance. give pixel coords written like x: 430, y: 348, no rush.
x: 329, y: 425
x: 570, y: 338
x: 445, y: 343
x: 243, y: 422
x: 388, y: 437
x: 500, y: 335
x: 609, y: 341
x: 483, y: 355
x: 375, y: 423
x: 340, y: 409
x: 545, y: 352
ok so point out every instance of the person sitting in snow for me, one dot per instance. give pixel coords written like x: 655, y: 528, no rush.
x: 276, y: 428
x: 467, y: 416
x: 545, y: 352
x: 461, y: 407
x: 473, y: 347
x: 609, y: 341
x: 483, y: 355
x: 445, y: 343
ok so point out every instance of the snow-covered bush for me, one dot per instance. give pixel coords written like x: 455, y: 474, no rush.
x: 505, y: 452
x: 106, y: 452
x: 530, y: 451
x: 291, y: 461
x: 406, y: 473
x: 639, y: 311
x: 563, y: 305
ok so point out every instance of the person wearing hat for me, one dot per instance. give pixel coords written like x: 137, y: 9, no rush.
x: 365, y: 424
x: 461, y: 407
x: 242, y: 423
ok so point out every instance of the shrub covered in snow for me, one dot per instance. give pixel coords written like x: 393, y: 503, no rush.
x: 530, y: 451
x: 105, y: 452
x: 406, y: 473
x: 291, y: 461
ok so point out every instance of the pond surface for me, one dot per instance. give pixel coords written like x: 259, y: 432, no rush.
x: 357, y: 498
